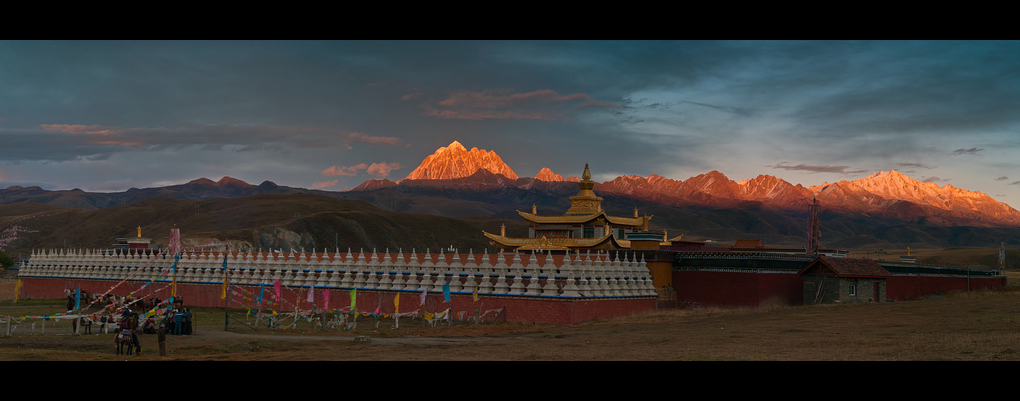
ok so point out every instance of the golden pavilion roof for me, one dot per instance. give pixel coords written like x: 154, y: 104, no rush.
x: 555, y: 244
x: 579, y: 219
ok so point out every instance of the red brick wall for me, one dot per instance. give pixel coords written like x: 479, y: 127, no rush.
x: 727, y: 288
x: 722, y: 288
x: 901, y: 288
x: 518, y: 309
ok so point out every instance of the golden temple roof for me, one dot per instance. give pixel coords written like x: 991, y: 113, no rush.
x: 577, y: 219
x: 553, y: 243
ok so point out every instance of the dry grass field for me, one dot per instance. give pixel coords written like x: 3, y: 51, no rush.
x: 956, y: 326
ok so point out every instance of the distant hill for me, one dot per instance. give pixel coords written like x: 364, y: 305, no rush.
x: 297, y: 221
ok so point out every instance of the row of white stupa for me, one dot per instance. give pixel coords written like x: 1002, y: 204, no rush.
x: 579, y: 275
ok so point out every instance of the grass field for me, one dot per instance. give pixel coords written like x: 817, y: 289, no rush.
x: 956, y: 326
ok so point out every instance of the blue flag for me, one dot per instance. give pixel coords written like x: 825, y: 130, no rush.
x: 446, y: 291
x: 77, y: 298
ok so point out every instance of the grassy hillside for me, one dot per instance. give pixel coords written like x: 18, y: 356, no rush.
x: 260, y: 221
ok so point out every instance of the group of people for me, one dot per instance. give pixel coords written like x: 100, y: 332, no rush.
x: 177, y: 320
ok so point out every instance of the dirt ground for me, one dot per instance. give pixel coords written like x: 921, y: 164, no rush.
x: 957, y: 326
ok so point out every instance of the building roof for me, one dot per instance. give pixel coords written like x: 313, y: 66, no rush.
x: 847, y: 267
x: 556, y: 243
x: 748, y: 243
x: 584, y: 218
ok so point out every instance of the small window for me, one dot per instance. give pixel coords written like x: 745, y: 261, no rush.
x: 589, y: 232
x: 853, y: 290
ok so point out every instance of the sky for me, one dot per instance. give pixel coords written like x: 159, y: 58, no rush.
x: 106, y: 116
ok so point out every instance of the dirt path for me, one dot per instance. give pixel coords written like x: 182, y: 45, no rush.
x: 410, y: 340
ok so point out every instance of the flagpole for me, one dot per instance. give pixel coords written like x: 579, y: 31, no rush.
x: 226, y: 280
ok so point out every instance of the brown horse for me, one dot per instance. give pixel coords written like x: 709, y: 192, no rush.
x: 127, y: 339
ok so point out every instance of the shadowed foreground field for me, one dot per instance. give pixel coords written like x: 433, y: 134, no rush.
x: 975, y: 325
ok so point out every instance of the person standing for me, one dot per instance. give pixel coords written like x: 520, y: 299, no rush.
x: 161, y: 334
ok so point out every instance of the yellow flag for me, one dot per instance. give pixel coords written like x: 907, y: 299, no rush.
x: 396, y: 303
x: 17, y: 290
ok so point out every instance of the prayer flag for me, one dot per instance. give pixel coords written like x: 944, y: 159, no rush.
x: 354, y: 299
x: 261, y: 292
x: 17, y: 290
x: 446, y: 292
x: 396, y: 303
x: 377, y: 310
x: 276, y: 287
x: 325, y: 299
x: 224, y: 296
x: 77, y: 298
x: 311, y: 293
x: 474, y: 296
x: 424, y: 293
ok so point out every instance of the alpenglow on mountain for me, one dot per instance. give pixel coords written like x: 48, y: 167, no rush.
x: 889, y: 194
x: 455, y: 161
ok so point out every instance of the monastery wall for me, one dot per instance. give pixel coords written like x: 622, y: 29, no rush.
x: 905, y: 287
x: 531, y: 287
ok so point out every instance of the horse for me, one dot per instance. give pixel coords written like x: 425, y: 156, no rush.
x: 127, y: 338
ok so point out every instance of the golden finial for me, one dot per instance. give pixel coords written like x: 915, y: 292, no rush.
x: 587, y: 174
x: 139, y: 231
x: 534, y: 209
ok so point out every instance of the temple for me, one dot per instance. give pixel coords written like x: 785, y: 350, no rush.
x: 584, y: 226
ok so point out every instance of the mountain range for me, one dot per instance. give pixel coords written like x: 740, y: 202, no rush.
x: 887, y: 207
x: 886, y: 194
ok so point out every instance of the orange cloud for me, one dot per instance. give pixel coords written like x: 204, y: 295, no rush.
x: 324, y: 184
x: 377, y: 169
x: 80, y: 129
x: 344, y: 171
x: 382, y: 169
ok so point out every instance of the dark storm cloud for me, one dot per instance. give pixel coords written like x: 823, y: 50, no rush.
x: 64, y: 142
x: 916, y: 87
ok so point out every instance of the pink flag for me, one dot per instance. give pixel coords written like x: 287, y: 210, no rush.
x: 377, y: 310
x: 276, y: 287
x: 311, y: 293
x: 325, y: 300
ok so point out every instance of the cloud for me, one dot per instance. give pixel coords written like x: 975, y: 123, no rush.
x: 324, y: 184
x: 734, y: 110
x: 357, y: 137
x: 494, y: 99
x: 933, y: 179
x: 115, y: 185
x: 1014, y: 183
x: 819, y: 169
x: 350, y: 171
x: 503, y: 104
x: 377, y: 169
x: 971, y: 151
x: 382, y: 169
x: 80, y: 129
x: 918, y: 165
x: 1003, y: 178
x: 67, y: 142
